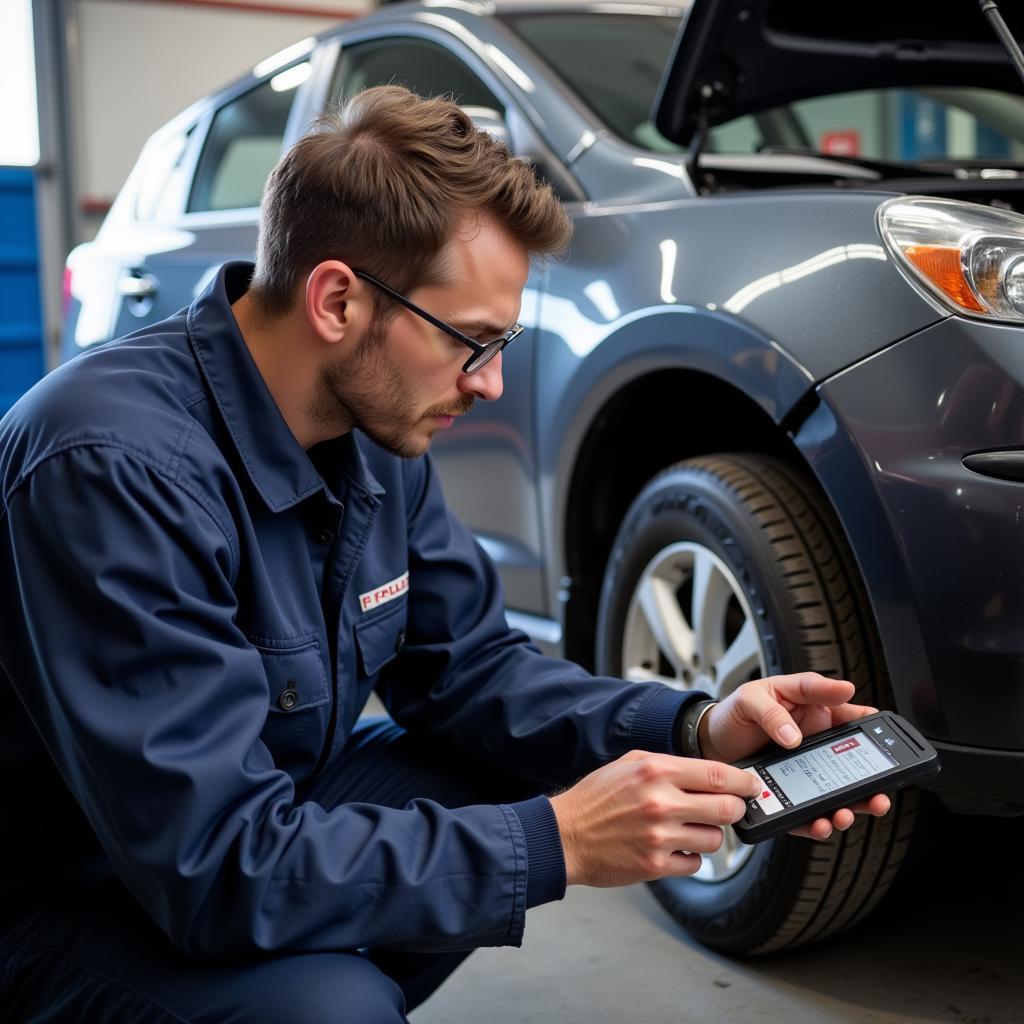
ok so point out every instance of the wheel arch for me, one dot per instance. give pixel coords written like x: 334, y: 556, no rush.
x: 676, y: 414
x: 681, y: 413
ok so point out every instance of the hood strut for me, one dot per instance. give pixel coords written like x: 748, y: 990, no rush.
x: 989, y: 9
x: 696, y: 145
x: 707, y: 92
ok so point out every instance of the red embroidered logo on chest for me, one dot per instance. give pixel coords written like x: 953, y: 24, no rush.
x: 384, y: 593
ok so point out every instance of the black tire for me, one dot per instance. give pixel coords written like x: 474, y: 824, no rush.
x: 775, y: 531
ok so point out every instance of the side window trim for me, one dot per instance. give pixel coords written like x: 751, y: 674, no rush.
x: 190, y: 159
x: 194, y: 128
x: 312, y: 94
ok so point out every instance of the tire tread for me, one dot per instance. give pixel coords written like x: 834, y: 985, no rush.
x: 847, y: 876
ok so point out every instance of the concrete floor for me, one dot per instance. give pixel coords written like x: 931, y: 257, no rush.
x: 947, y: 944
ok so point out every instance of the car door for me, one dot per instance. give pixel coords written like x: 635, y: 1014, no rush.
x: 486, y: 461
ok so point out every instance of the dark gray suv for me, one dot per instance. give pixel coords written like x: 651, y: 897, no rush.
x: 768, y: 416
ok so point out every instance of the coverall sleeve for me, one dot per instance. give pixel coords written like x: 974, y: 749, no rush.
x: 126, y: 653
x: 468, y: 678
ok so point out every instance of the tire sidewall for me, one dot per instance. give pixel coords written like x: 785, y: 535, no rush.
x: 691, y: 504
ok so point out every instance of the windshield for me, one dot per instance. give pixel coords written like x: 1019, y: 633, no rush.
x: 613, y: 62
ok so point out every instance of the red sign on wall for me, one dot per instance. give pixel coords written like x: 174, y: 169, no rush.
x: 844, y: 143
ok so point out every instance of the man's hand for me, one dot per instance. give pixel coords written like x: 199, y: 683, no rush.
x: 785, y: 709
x: 647, y: 816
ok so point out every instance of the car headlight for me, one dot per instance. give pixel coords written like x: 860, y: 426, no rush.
x: 969, y: 257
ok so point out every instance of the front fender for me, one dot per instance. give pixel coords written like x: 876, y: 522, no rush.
x: 941, y: 547
x: 584, y: 365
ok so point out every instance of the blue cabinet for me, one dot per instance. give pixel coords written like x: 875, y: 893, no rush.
x: 22, y: 360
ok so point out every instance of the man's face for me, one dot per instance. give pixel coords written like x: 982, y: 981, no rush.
x: 404, y: 381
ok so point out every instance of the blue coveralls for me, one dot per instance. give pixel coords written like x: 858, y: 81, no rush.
x: 194, y: 611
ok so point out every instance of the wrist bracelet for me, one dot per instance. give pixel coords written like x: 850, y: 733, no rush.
x: 689, y: 725
x: 696, y: 725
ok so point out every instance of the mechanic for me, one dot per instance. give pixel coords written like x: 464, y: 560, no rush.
x: 220, y: 534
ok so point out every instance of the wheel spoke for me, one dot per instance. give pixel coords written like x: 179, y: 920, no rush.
x: 672, y: 633
x: 741, y: 659
x: 711, y: 593
x: 724, y: 861
x: 643, y: 675
x: 682, y: 645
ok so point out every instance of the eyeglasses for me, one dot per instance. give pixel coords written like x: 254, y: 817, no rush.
x: 483, y: 352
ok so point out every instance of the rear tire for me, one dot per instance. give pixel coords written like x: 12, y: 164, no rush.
x: 773, y: 537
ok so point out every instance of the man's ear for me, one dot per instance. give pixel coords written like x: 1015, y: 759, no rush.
x: 336, y: 302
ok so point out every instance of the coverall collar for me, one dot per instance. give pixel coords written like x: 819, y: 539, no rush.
x: 278, y: 466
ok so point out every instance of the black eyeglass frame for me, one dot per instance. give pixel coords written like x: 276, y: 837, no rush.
x: 482, y: 353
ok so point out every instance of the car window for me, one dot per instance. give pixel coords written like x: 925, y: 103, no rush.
x: 426, y: 68
x: 244, y: 143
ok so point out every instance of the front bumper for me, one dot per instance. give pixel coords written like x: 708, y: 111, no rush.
x: 978, y: 781
x: 941, y: 548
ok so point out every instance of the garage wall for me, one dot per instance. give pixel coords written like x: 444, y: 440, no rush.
x: 142, y: 61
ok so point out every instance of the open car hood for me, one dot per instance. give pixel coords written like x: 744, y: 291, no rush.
x: 742, y: 56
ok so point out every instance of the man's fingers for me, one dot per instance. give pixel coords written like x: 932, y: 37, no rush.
x: 851, y: 712
x: 843, y: 818
x: 693, y: 840
x: 719, y: 777
x: 699, y: 838
x: 693, y: 775
x: 820, y: 829
x: 812, y: 688
x: 879, y: 805
x: 712, y: 809
x: 759, y: 704
x: 682, y: 864
x: 767, y: 704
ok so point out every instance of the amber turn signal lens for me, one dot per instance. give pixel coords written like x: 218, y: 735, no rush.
x: 941, y: 264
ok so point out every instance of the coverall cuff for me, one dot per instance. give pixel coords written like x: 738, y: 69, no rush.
x: 655, y: 725
x: 545, y: 862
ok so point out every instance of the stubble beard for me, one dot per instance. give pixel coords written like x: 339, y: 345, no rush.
x: 367, y: 391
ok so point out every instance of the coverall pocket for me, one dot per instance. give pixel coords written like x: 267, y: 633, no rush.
x: 378, y: 641
x: 299, y: 701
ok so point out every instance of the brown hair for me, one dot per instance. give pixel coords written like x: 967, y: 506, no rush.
x: 382, y: 184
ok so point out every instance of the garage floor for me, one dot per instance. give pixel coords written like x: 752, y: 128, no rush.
x: 946, y: 945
